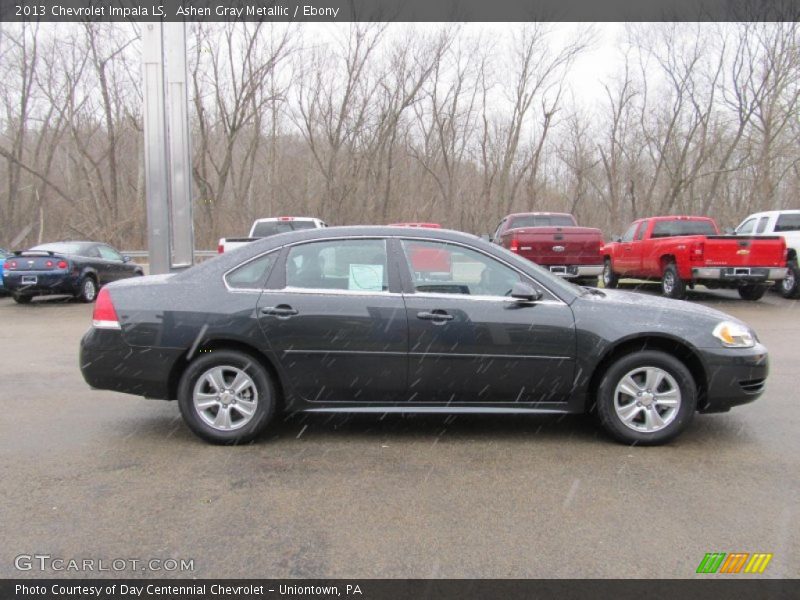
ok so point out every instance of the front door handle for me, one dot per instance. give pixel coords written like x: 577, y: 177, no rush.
x: 282, y: 310
x: 438, y: 316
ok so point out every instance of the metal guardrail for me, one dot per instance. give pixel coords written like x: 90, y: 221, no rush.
x: 138, y: 255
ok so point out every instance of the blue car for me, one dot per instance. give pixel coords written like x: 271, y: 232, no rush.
x: 3, y: 255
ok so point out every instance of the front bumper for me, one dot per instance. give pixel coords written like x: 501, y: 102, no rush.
x: 740, y: 274
x: 107, y: 362
x: 734, y: 376
x: 45, y: 282
x: 574, y: 271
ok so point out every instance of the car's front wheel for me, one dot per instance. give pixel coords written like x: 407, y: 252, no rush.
x: 646, y: 398
x: 610, y: 279
x: 226, y: 397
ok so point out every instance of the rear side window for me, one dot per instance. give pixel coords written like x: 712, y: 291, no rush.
x: 790, y: 222
x: 354, y: 265
x: 663, y: 229
x: 541, y: 221
x: 252, y: 275
x: 762, y: 224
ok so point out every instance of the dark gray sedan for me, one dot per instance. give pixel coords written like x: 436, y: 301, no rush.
x: 389, y: 320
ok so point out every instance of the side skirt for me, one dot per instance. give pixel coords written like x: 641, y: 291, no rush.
x: 449, y: 410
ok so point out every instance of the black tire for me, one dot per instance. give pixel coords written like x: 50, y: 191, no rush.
x: 266, y: 398
x: 22, y: 299
x: 790, y: 287
x: 752, y: 292
x: 610, y: 279
x: 88, y: 290
x: 587, y: 281
x: 672, y: 286
x: 681, y: 417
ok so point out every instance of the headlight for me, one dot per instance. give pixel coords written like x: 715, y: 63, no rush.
x: 734, y: 335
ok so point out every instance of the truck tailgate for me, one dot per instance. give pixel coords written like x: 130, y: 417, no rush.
x: 744, y: 251
x: 559, y: 245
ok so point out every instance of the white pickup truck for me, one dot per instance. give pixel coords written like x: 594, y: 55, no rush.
x: 785, y: 223
x: 270, y: 226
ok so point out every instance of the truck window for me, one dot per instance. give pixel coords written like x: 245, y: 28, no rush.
x: 268, y: 228
x: 642, y: 229
x: 788, y: 222
x: 497, y: 231
x: 541, y: 221
x: 628, y: 235
x: 747, y: 227
x: 762, y: 224
x: 663, y: 229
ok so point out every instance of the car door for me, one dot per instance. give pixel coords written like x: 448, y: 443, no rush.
x: 470, y: 342
x: 112, y: 262
x: 627, y: 260
x: 334, y: 316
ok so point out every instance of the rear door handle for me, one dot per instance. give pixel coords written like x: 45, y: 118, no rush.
x: 282, y: 310
x: 436, y: 315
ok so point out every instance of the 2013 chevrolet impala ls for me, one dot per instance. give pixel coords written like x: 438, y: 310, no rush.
x: 393, y: 320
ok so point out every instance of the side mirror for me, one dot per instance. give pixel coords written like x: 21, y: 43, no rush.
x: 523, y: 292
x: 126, y: 259
x: 617, y: 238
x: 729, y: 231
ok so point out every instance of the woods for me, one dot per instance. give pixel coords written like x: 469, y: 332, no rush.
x: 376, y: 123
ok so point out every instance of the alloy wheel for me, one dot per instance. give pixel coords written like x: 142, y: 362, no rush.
x: 225, y: 398
x: 647, y: 399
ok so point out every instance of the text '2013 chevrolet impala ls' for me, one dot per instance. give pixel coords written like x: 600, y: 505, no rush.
x: 389, y: 320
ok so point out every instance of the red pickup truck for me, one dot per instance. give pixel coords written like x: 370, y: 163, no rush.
x: 684, y: 251
x: 554, y: 241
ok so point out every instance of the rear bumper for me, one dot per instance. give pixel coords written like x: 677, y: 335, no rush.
x: 108, y: 363
x: 735, y: 376
x: 739, y: 274
x: 46, y: 283
x: 573, y: 271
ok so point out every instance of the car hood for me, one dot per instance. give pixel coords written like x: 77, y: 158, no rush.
x: 658, y: 303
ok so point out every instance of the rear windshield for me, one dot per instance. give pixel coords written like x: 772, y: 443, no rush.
x: 663, y: 229
x: 542, y: 221
x: 268, y: 228
x: 62, y: 247
x: 790, y: 222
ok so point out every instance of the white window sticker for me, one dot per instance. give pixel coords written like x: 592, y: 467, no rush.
x: 368, y: 278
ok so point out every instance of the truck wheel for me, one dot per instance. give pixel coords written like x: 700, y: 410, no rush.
x: 22, y: 299
x: 226, y: 397
x: 790, y: 286
x: 610, y: 279
x: 672, y: 286
x: 646, y: 398
x: 752, y: 292
x: 587, y: 281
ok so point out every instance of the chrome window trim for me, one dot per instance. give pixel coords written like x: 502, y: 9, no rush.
x: 329, y: 292
x: 248, y: 261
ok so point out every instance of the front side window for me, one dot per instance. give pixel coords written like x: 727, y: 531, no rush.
x: 252, y: 275
x: 439, y: 267
x: 109, y: 253
x: 352, y: 265
x: 628, y: 236
x: 747, y: 227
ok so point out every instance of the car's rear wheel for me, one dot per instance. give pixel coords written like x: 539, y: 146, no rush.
x: 226, y: 397
x: 88, y: 291
x: 752, y: 292
x: 22, y: 299
x: 610, y: 279
x: 672, y: 286
x: 789, y: 287
x: 646, y: 398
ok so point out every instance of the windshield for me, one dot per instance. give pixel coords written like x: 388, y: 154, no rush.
x: 61, y: 247
x: 268, y: 228
x: 542, y: 221
x: 663, y: 229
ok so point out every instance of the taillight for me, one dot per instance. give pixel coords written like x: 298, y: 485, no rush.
x: 62, y: 264
x: 105, y: 315
x: 220, y: 248
x: 696, y: 251
x: 11, y: 264
x: 514, y: 244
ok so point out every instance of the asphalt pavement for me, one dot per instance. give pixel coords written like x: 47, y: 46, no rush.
x: 101, y: 476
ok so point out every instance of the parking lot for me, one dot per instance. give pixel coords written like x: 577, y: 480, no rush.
x: 91, y: 474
